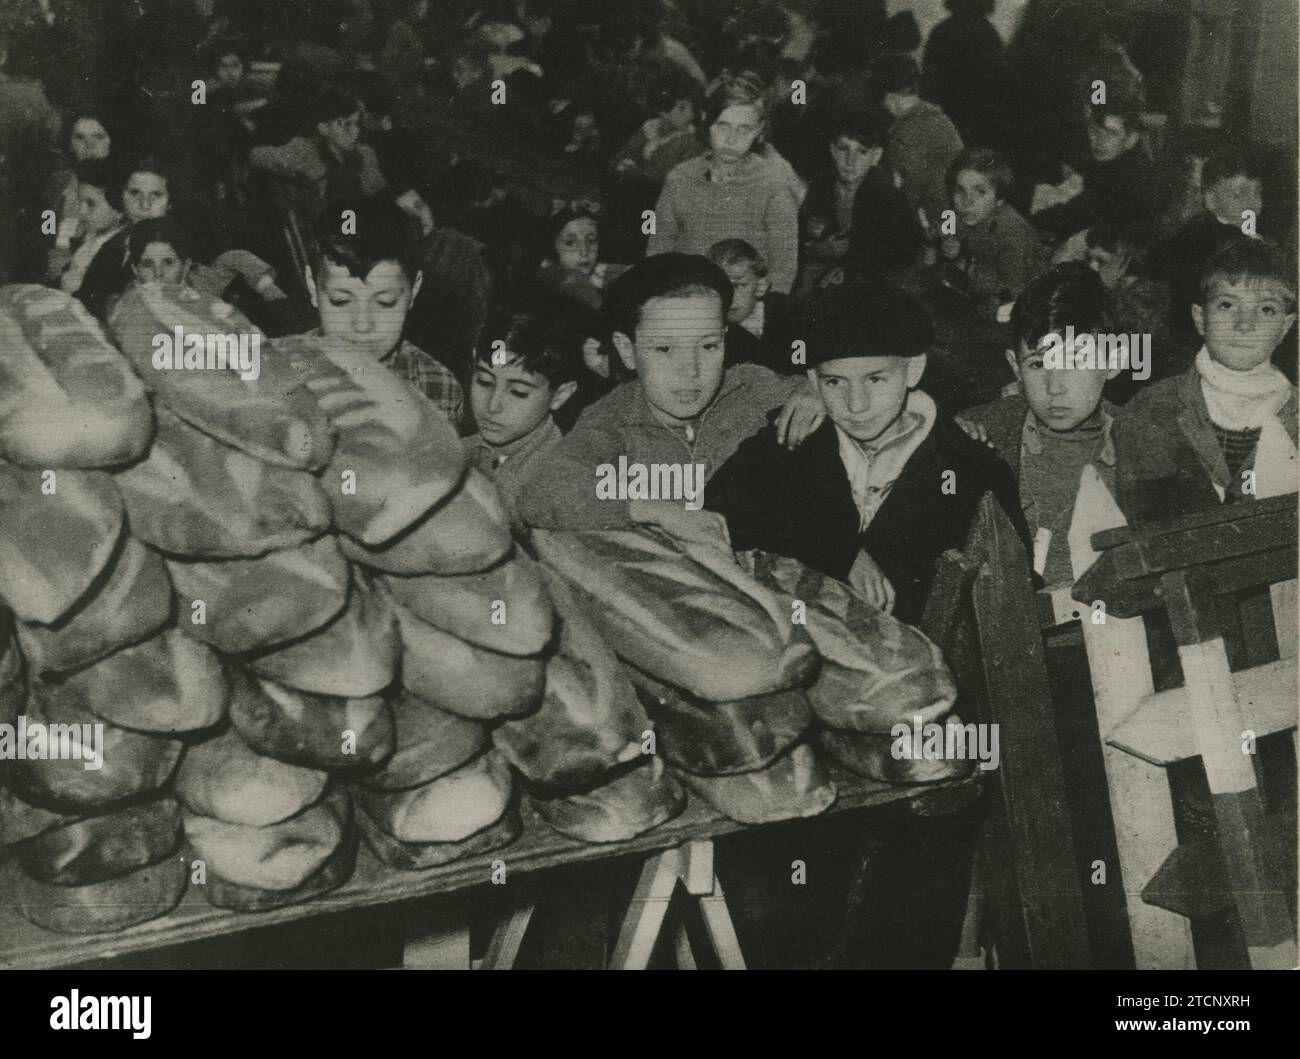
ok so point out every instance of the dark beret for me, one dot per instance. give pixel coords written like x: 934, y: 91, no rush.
x: 865, y: 318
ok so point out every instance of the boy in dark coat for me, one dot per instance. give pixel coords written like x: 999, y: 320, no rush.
x: 882, y: 488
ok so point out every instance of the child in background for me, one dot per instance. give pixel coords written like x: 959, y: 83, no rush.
x: 667, y: 138
x: 758, y: 322
x: 145, y: 193
x: 86, y: 138
x: 580, y: 334
x: 99, y: 209
x: 668, y: 316
x: 995, y: 251
x: 522, y: 376
x: 1059, y: 423
x: 572, y: 253
x: 733, y: 191
x: 159, y: 252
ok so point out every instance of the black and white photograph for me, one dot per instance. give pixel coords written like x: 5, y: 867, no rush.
x: 648, y: 484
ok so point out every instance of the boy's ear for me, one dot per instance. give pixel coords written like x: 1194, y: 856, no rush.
x: 1014, y: 360
x: 1198, y: 318
x: 311, y: 285
x: 626, y: 351
x: 761, y: 287
x: 915, y: 369
x: 561, y: 394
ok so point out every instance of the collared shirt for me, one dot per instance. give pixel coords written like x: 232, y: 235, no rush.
x: 873, y: 468
x: 430, y: 377
x: 510, y: 466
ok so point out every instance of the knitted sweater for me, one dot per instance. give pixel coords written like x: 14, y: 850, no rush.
x: 758, y: 204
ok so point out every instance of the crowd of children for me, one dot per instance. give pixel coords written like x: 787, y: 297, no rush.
x: 848, y: 307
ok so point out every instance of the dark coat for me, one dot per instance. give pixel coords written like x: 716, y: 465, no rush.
x: 799, y: 504
x: 772, y: 351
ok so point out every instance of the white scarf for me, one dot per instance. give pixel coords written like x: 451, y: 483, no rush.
x: 1246, y: 400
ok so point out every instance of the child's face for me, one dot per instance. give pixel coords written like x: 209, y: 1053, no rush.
x: 865, y: 395
x: 1243, y: 321
x: 733, y: 133
x: 145, y: 196
x: 1110, y: 265
x: 1230, y: 198
x: 230, y: 70
x: 89, y: 140
x: 508, y: 402
x: 370, y: 313
x: 341, y: 134
x: 1110, y: 139
x: 160, y: 264
x: 680, y: 117
x: 677, y: 353
x: 577, y: 246
x: 1060, y: 398
x: 853, y: 159
x: 96, y: 213
x: 747, y: 287
x: 973, y: 197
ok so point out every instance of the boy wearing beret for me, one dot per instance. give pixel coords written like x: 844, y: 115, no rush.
x: 885, y: 485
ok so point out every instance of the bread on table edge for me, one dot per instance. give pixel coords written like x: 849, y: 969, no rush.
x: 467, y: 532
x: 134, y: 763
x: 76, y: 402
x: 279, y: 857
x: 795, y: 785
x: 448, y: 809
x: 429, y: 743
x: 318, y: 731
x: 167, y: 685
x: 354, y: 656
x: 133, y: 603
x: 54, y: 546
x: 723, y: 738
x: 99, y: 848
x: 254, y: 604
x: 463, y: 679
x: 631, y: 801
x: 20, y: 820
x: 101, y: 907
x: 416, y: 856
x: 225, y: 778
x: 506, y: 609
x: 870, y: 754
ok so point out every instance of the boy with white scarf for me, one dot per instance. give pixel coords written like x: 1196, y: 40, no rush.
x: 1224, y: 430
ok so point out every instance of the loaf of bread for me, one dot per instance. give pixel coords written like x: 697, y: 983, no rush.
x: 504, y: 609
x: 253, y: 604
x: 417, y: 856
x: 101, y: 907
x: 224, y: 778
x: 334, y: 871
x: 319, y: 731
x: 590, y: 720
x: 633, y: 800
x: 354, y: 656
x: 167, y: 685
x: 196, y: 497
x: 876, y: 671
x: 463, y: 679
x: 58, y: 531
x: 260, y: 416
x: 276, y: 857
x: 104, y: 847
x: 429, y: 743
x: 20, y: 820
x: 67, y: 397
x: 133, y: 763
x: 720, y: 738
x: 719, y: 638
x: 449, y: 809
x: 795, y: 785
x: 467, y: 532
x: 397, y: 455
x: 133, y: 603
x: 872, y: 754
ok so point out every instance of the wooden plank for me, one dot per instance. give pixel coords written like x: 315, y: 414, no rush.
x: 682, y: 949
x: 721, y: 930
x: 503, y: 949
x: 1029, y: 810
x: 1267, y: 508
x: 646, y: 911
x: 444, y: 947
x: 1126, y: 598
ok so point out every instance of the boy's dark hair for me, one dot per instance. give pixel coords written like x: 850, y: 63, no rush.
x: 211, y: 54
x: 1066, y: 295
x: 896, y: 72
x: 737, y: 252
x: 158, y: 230
x: 1115, y: 236
x: 971, y: 8
x: 566, y: 214
x: 988, y: 163
x: 1244, y: 258
x: 742, y: 89
x: 668, y: 86
x: 332, y: 101
x: 866, y: 124
x: 150, y: 164
x: 533, y: 341
x: 384, y: 232
x: 1229, y: 162
x: 100, y: 173
x: 662, y: 276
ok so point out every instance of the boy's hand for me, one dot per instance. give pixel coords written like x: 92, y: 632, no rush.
x: 801, y: 414
x: 976, y: 431
x: 868, y: 581
x: 697, y: 527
